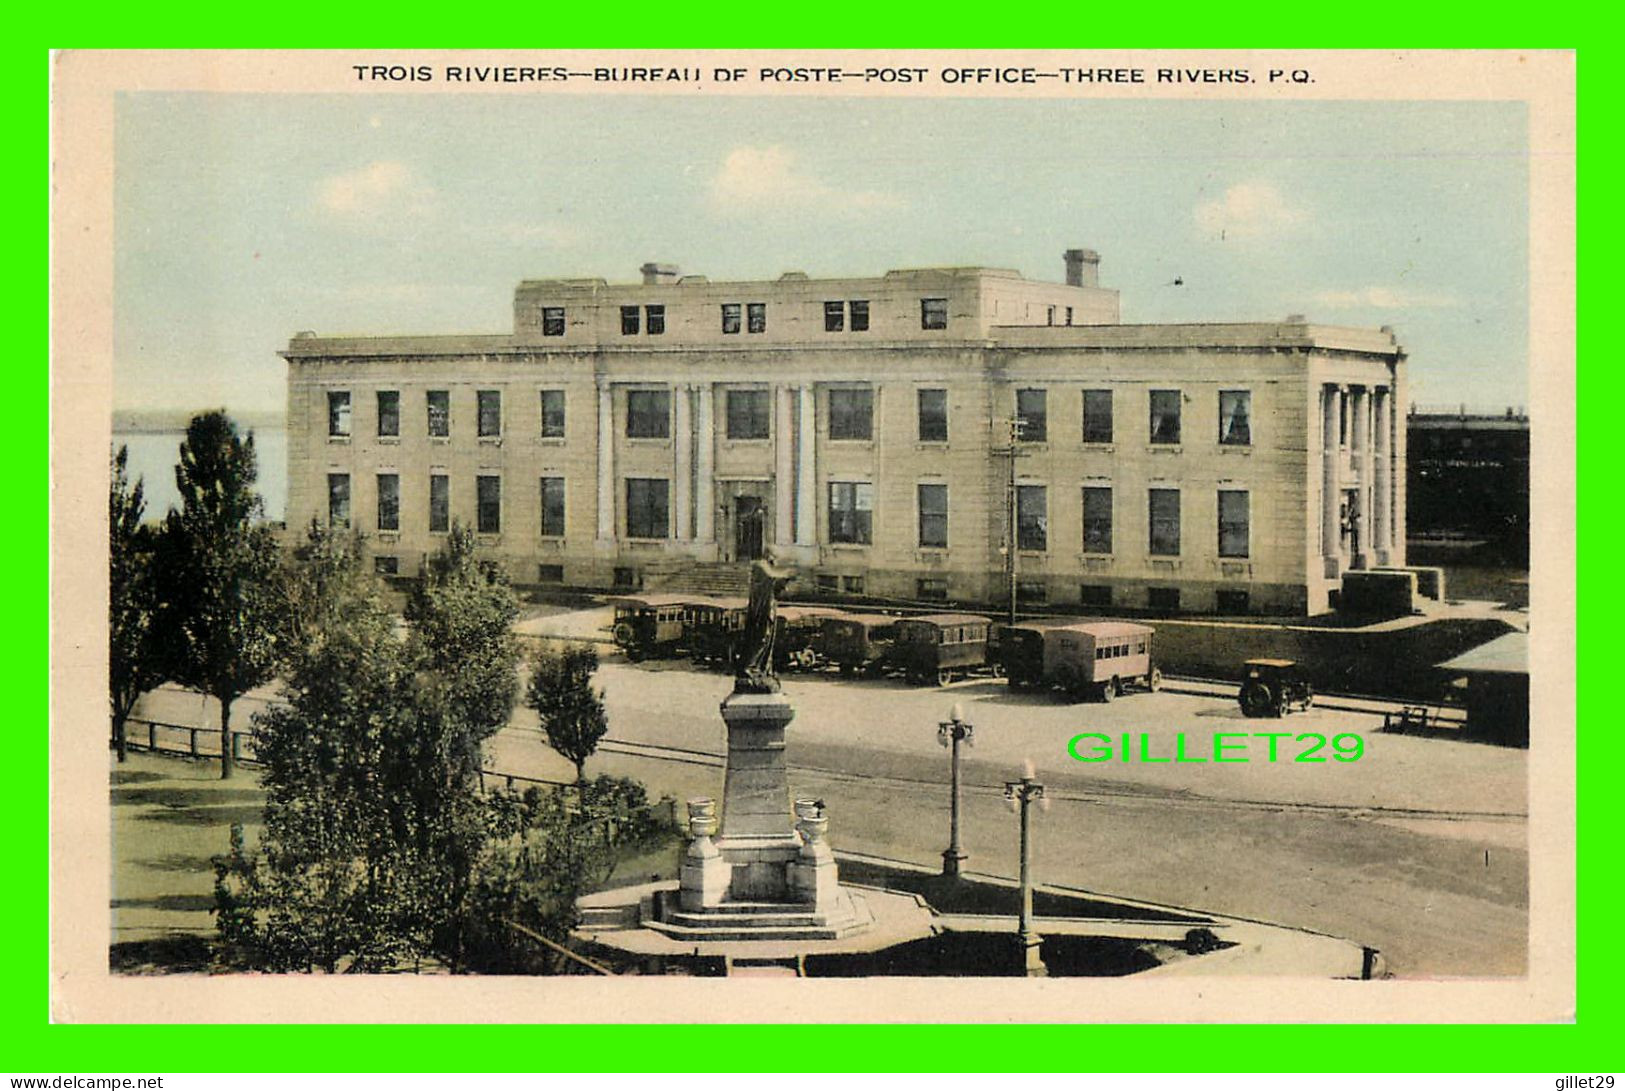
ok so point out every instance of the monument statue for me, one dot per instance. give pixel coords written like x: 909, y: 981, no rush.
x: 754, y: 673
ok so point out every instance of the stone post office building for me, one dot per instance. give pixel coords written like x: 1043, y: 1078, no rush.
x: 862, y: 430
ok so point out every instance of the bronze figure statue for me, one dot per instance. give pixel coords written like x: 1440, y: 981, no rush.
x: 754, y: 673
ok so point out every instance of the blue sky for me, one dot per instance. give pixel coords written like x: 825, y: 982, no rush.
x: 241, y: 219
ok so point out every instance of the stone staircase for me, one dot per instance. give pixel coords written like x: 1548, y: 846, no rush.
x: 700, y: 577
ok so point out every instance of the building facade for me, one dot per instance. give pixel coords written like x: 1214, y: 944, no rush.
x: 864, y: 430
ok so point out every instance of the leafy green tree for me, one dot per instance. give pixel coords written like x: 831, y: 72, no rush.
x: 570, y: 710
x: 376, y: 830
x: 220, y: 600
x: 135, y: 664
x: 462, y: 615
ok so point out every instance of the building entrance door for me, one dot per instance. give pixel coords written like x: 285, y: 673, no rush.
x: 750, y: 514
x: 1349, y: 521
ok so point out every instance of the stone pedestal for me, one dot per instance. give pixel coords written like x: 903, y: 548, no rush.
x: 756, y: 786
x: 768, y: 875
x: 812, y: 874
x: 704, y: 875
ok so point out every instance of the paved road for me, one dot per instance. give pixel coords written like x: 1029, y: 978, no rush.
x: 1418, y: 848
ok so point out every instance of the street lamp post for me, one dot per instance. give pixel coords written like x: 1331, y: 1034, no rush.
x: 951, y: 733
x: 1020, y: 794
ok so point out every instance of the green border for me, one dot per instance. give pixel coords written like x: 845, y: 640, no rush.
x: 34, y: 1045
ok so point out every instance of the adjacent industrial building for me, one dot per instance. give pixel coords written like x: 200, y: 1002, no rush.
x: 891, y: 437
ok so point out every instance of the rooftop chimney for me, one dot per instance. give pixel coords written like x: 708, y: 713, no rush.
x: 657, y: 272
x: 1082, y: 268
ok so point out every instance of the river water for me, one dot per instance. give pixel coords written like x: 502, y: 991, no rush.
x: 153, y: 456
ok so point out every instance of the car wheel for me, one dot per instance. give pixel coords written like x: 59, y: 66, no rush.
x: 1254, y: 699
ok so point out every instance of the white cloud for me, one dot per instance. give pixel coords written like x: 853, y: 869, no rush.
x: 385, y: 187
x: 1248, y: 210
x: 546, y: 232
x: 768, y: 177
x: 1384, y: 298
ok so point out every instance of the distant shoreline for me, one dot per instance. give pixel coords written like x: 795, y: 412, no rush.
x: 139, y: 422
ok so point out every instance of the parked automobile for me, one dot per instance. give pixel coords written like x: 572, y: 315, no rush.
x: 1017, y: 651
x: 714, y: 626
x: 1100, y: 658
x: 857, y: 642
x: 651, y: 626
x: 1273, y: 687
x: 936, y: 647
x: 796, y: 639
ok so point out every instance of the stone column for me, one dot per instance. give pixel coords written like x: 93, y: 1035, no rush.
x: 784, y: 444
x: 705, y: 503
x: 1382, y: 518
x: 806, y: 477
x: 606, y: 461
x: 1360, y: 462
x: 1331, y: 410
x: 682, y: 449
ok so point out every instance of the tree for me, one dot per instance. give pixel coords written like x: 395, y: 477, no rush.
x: 221, y: 607
x: 571, y: 712
x: 462, y: 615
x: 376, y: 830
x: 135, y: 664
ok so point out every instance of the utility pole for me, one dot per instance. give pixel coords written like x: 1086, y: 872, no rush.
x: 1016, y: 425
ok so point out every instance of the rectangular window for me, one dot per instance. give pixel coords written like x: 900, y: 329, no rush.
x: 1097, y: 416
x: 933, y: 314
x: 834, y: 316
x: 851, y: 413
x: 853, y: 585
x: 851, y: 512
x: 550, y: 573
x: 386, y: 566
x: 552, y: 507
x: 1069, y: 316
x: 338, y: 499
x: 1032, y: 406
x: 748, y: 414
x: 654, y: 318
x: 1165, y: 416
x: 648, y: 414
x: 931, y: 589
x: 488, y: 491
x: 933, y: 416
x: 1233, y: 522
x: 1097, y: 519
x: 756, y: 317
x: 1049, y: 317
x: 389, y: 412
x: 627, y: 577
x: 338, y: 412
x: 439, y: 503
x: 828, y: 582
x: 1095, y: 594
x: 1164, y: 512
x: 1032, y: 517
x: 439, y: 403
x: 490, y: 418
x: 1232, y: 602
x: 1235, y: 417
x: 629, y: 321
x: 730, y: 317
x: 1032, y: 591
x: 933, y: 501
x: 389, y: 502
x: 646, y: 507
x: 1162, y: 598
x: 860, y: 315
x: 552, y: 414
x: 552, y: 321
